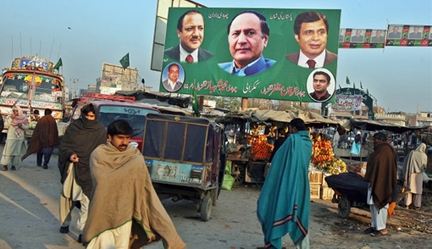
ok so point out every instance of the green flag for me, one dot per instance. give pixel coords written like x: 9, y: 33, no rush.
x: 195, y: 104
x: 361, y: 86
x: 58, y: 64
x: 125, y: 61
x: 367, y: 91
x: 340, y: 87
x: 354, y: 85
x: 347, y: 81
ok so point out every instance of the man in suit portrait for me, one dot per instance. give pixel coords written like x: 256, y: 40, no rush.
x: 190, y: 31
x: 358, y: 37
x: 395, y: 34
x: 248, y: 35
x: 416, y: 34
x: 321, y: 81
x: 378, y: 38
x: 341, y: 37
x: 172, y: 84
x: 311, y: 31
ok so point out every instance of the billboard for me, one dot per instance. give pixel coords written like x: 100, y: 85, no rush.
x: 347, y: 102
x: 252, y: 53
x: 362, y: 38
x: 409, y: 35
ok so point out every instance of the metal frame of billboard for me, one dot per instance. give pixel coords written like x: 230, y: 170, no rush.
x: 160, y: 28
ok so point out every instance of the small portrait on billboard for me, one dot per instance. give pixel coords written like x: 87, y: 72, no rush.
x: 378, y: 38
x: 395, y: 33
x: 358, y: 37
x: 341, y: 35
x: 321, y: 85
x: 311, y: 33
x: 190, y: 31
x: 173, y: 77
x: 248, y: 36
x: 415, y: 33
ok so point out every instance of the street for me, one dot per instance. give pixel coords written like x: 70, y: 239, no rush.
x: 29, y: 218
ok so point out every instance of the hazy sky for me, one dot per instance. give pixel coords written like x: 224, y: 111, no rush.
x: 104, y: 31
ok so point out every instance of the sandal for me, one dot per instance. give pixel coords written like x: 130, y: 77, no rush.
x: 369, y: 230
x: 378, y: 234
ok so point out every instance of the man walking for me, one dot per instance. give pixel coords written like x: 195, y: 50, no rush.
x: 284, y: 202
x: 44, y: 138
x: 125, y: 211
x: 381, y: 173
x: 81, y: 137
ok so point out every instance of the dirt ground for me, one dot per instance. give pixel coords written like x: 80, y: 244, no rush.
x: 29, y: 218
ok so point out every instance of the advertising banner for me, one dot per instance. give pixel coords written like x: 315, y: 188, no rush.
x: 281, y: 54
x: 347, y: 102
x: 409, y: 35
x: 361, y: 38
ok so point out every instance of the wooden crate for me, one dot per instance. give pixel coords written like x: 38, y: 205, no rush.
x: 316, y: 177
x: 326, y: 193
x: 324, y: 183
x: 315, y: 191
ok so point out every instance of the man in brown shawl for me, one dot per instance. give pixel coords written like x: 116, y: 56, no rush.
x: 81, y: 137
x: 414, y: 166
x: 381, y: 173
x: 125, y: 211
x: 44, y: 138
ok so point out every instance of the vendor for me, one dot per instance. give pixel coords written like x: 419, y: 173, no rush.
x: 279, y: 141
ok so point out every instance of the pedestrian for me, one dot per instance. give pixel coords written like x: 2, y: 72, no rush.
x: 15, y: 146
x: 125, y: 211
x: 381, y: 173
x: 284, y: 201
x: 44, y: 138
x: 414, y: 166
x: 82, y: 136
x: 1, y: 127
x: 279, y: 141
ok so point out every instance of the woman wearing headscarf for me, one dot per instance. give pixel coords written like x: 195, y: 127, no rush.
x: 80, y: 139
x: 15, y: 146
x: 415, y: 165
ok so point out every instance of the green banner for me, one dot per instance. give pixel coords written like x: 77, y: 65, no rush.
x: 409, y: 35
x: 361, y: 38
x: 282, y: 54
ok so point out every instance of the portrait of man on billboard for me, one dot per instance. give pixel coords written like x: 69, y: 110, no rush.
x: 190, y: 31
x: 173, y: 77
x: 311, y: 32
x: 248, y: 35
x: 395, y: 34
x: 378, y: 37
x: 321, y: 84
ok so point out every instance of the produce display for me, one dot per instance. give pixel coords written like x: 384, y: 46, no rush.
x: 323, y: 157
x: 260, y: 147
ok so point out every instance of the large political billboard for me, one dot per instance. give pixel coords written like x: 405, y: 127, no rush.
x: 281, y: 54
x: 402, y: 35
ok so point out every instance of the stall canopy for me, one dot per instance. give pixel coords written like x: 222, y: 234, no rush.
x: 372, y: 125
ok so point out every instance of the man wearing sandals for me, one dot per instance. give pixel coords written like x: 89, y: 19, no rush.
x: 381, y: 173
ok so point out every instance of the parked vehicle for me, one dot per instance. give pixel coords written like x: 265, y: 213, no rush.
x: 183, y: 158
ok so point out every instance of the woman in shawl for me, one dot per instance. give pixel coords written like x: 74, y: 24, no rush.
x: 80, y: 139
x: 15, y: 146
x: 415, y: 165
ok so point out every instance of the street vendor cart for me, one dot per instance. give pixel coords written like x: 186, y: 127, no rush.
x: 182, y: 155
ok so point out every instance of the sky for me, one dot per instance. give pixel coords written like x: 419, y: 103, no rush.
x: 85, y: 34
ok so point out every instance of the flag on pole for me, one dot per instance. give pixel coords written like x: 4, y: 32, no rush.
x: 340, y: 87
x: 58, y: 64
x: 361, y: 86
x: 125, y: 61
x: 367, y: 91
x: 347, y: 81
x: 354, y: 85
x: 195, y: 104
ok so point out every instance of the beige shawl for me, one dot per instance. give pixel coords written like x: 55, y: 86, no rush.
x: 123, y: 191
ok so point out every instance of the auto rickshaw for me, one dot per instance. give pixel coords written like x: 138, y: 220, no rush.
x: 182, y: 155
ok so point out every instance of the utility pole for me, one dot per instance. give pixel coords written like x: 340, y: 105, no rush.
x: 73, y: 87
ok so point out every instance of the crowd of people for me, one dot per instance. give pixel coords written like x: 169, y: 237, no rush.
x: 94, y: 160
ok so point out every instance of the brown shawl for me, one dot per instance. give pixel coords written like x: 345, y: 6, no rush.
x: 44, y: 135
x: 123, y: 191
x: 381, y: 172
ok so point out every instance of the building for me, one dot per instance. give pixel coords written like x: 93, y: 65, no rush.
x: 115, y: 78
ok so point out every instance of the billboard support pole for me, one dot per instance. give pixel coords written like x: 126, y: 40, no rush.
x: 244, y: 103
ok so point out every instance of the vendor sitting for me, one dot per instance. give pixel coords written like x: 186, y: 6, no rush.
x: 35, y: 117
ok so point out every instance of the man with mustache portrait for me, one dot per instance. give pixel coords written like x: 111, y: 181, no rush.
x: 190, y: 31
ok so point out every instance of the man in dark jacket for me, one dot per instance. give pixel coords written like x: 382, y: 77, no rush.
x: 80, y: 139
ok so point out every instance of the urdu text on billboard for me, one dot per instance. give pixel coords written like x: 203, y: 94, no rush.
x: 282, y: 54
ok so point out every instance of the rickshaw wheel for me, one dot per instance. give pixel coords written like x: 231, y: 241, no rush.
x: 239, y: 176
x: 344, y: 207
x: 206, y: 208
